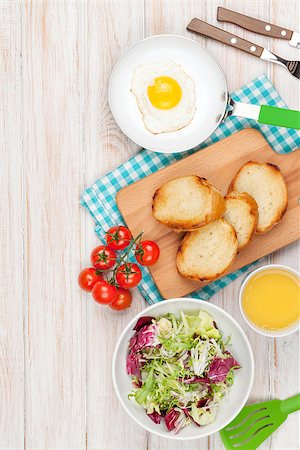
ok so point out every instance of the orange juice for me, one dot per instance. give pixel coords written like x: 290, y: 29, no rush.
x: 271, y: 298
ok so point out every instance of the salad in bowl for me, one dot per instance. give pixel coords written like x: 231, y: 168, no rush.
x: 180, y: 367
x: 183, y: 368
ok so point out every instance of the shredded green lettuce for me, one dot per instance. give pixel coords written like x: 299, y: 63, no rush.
x: 185, y: 376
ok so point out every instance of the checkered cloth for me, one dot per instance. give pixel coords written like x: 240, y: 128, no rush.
x: 100, y: 198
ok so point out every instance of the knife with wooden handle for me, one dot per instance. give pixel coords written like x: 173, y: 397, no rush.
x: 261, y: 113
x: 258, y: 26
x: 204, y: 28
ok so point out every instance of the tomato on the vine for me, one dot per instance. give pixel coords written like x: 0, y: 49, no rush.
x: 118, y: 237
x: 104, y: 293
x: 128, y: 275
x: 103, y: 257
x: 123, y: 300
x: 147, y: 253
x: 87, y: 278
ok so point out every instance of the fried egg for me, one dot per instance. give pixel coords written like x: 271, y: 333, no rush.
x: 165, y: 96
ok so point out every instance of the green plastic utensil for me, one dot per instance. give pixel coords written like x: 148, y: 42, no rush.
x: 270, y: 115
x: 255, y: 423
x: 279, y: 116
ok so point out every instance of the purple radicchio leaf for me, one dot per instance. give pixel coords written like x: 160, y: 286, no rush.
x: 220, y: 367
x: 155, y: 417
x: 180, y: 421
x: 132, y: 343
x: 238, y: 366
x: 171, y: 418
x: 202, y: 402
x: 145, y: 337
x: 142, y: 321
x: 188, y: 414
x: 196, y: 380
x: 137, y: 384
x: 133, y: 364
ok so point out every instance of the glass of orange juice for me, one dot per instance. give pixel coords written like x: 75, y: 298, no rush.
x: 270, y: 300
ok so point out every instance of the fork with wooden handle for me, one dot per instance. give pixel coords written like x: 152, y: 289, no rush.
x: 204, y: 28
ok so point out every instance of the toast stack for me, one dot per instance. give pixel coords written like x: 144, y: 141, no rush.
x: 187, y: 203
x: 207, y: 253
x: 217, y: 228
x: 266, y: 185
x: 241, y: 212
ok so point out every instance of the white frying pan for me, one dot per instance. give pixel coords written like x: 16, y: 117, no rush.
x: 210, y: 85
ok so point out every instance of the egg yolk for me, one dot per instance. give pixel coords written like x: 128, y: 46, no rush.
x: 164, y: 93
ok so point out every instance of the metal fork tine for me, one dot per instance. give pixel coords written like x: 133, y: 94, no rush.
x: 294, y: 68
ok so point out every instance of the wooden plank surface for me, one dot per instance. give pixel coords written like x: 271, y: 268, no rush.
x: 57, y: 136
x: 55, y: 326
x: 218, y: 163
x: 12, y: 376
x: 109, y: 27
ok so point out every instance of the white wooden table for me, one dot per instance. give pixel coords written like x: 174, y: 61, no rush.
x: 57, y: 136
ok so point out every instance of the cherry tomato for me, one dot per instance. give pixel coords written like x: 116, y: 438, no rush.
x: 103, y: 257
x: 118, y: 237
x: 87, y: 278
x: 147, y: 253
x: 128, y: 275
x: 104, y: 293
x: 123, y: 300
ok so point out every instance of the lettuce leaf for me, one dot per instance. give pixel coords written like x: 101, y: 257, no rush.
x: 220, y: 367
x: 155, y: 417
x: 202, y: 325
x: 143, y: 392
x: 180, y: 368
x: 145, y: 320
x: 133, y: 365
x: 203, y: 416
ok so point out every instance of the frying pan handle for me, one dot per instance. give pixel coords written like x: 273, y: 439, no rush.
x: 291, y: 404
x: 251, y: 24
x: 279, y: 116
x: 204, y: 28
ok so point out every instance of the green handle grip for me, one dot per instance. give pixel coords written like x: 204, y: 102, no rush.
x: 279, y: 116
x: 291, y: 404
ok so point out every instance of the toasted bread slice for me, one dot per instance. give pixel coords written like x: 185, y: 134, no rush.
x: 241, y: 212
x: 265, y: 183
x: 207, y: 254
x: 187, y: 203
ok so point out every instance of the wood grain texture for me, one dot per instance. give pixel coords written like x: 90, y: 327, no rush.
x: 55, y: 357
x: 218, y: 34
x: 109, y: 27
x: 218, y: 163
x: 12, y: 377
x: 253, y: 24
x: 57, y: 136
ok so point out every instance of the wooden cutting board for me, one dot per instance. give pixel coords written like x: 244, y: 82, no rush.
x: 218, y: 163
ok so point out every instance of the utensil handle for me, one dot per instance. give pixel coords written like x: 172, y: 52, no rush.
x: 279, y: 116
x: 251, y: 24
x: 291, y: 404
x: 200, y: 27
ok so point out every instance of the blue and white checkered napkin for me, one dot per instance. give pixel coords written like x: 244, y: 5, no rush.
x: 100, y: 198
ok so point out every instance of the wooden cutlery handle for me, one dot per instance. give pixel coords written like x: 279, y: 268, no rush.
x: 200, y: 27
x: 251, y: 24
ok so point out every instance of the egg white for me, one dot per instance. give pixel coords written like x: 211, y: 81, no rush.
x: 164, y: 120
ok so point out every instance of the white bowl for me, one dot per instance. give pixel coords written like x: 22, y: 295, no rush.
x: 229, y: 407
x: 210, y: 86
x: 272, y: 333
